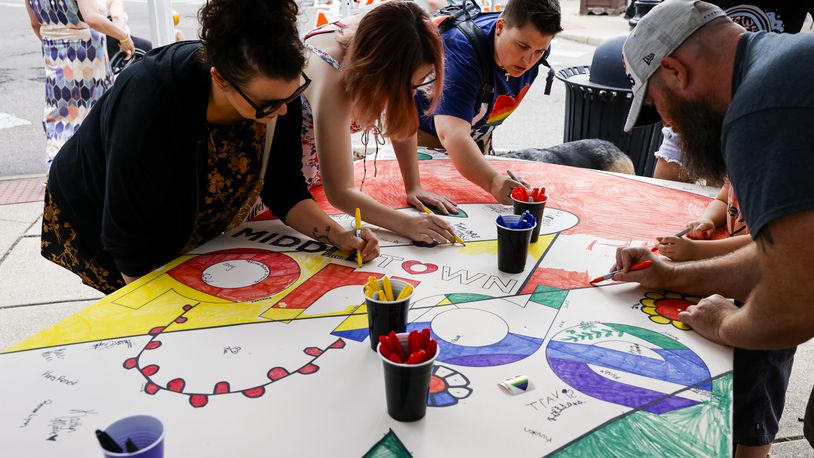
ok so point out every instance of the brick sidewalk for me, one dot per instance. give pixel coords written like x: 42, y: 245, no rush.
x: 22, y: 190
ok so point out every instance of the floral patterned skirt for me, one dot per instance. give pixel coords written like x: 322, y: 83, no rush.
x: 60, y: 244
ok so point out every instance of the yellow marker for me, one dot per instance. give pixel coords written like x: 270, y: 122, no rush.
x: 387, y: 289
x: 368, y: 291
x: 405, y: 292
x: 374, y: 285
x: 457, y: 239
x: 359, y: 234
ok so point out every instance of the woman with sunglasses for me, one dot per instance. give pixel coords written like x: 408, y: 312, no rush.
x: 179, y: 149
x: 366, y: 69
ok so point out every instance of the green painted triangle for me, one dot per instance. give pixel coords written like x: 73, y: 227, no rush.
x: 460, y: 214
x: 389, y: 447
x: 649, y: 336
x: 549, y: 296
x: 460, y: 298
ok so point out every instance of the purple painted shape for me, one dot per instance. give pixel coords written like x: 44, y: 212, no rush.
x: 582, y: 378
x: 483, y: 360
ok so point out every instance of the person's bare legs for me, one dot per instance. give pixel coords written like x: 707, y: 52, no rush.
x: 747, y: 451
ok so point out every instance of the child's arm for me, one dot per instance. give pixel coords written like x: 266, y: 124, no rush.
x: 713, y: 216
x: 407, y: 154
x: 681, y: 249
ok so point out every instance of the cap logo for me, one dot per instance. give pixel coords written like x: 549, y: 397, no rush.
x: 649, y: 58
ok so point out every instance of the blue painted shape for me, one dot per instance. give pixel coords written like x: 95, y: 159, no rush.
x: 359, y: 335
x: 579, y: 376
x: 677, y: 366
x: 442, y: 399
x: 513, y: 347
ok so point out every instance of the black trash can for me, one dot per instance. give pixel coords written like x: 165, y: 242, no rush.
x: 596, y: 106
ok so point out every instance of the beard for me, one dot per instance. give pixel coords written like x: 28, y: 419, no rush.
x: 700, y: 128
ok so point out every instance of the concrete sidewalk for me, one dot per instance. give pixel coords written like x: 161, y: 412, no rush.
x: 35, y: 294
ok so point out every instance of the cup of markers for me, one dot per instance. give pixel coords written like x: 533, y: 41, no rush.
x: 532, y: 201
x: 388, y: 302
x: 138, y: 436
x: 513, y: 236
x: 407, y: 360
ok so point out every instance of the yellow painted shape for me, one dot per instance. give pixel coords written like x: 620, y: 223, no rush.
x: 357, y: 320
x: 479, y: 248
x: 446, y: 301
x: 276, y: 314
x: 104, y: 320
x: 156, y: 300
x: 681, y: 325
x: 649, y: 310
x: 538, y: 248
x: 659, y: 319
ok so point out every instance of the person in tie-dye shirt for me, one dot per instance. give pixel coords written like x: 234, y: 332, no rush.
x: 465, y: 117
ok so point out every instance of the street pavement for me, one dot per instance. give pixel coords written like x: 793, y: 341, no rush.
x: 35, y: 294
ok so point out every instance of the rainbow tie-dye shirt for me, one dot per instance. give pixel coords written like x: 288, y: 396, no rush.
x: 462, y: 97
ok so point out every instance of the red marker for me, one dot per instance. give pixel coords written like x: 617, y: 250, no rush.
x: 608, y: 276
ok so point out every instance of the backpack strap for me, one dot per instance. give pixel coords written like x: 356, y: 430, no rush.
x: 474, y: 34
x: 549, y: 79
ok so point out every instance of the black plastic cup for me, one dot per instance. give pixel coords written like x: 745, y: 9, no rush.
x: 385, y: 316
x: 407, y: 385
x: 512, y: 245
x: 536, y: 209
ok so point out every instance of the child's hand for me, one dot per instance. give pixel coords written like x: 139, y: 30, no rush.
x: 677, y: 248
x: 701, y: 229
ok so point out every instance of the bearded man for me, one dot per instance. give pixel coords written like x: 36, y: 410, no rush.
x: 744, y: 106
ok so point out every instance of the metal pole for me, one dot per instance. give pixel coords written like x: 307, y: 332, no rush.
x: 161, y: 25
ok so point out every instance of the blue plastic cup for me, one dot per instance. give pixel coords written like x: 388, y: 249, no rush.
x: 146, y: 432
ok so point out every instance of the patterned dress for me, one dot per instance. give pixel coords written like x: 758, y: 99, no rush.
x: 77, y: 71
x: 234, y: 164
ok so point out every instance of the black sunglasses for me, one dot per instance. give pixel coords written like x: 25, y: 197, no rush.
x: 264, y: 110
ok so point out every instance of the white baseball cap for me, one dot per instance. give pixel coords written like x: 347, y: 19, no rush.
x: 657, y: 35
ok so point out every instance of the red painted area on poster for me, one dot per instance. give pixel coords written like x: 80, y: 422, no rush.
x: 608, y: 206
x: 557, y: 278
x: 282, y: 272
x: 330, y: 277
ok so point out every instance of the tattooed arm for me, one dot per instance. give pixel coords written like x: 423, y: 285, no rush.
x: 308, y: 218
x: 778, y: 311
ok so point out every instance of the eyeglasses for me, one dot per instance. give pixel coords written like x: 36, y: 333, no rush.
x: 266, y: 109
x: 428, y: 80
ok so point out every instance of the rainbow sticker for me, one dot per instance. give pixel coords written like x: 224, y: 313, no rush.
x: 517, y: 384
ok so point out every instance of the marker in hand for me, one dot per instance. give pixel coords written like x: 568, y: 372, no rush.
x: 513, y: 176
x: 457, y: 238
x: 608, y: 276
x: 684, y: 232
x: 358, y: 234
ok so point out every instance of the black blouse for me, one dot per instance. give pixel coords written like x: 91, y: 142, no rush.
x: 133, y: 177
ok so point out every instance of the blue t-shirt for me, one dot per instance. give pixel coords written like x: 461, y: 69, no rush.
x: 462, y: 96
x: 768, y: 131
